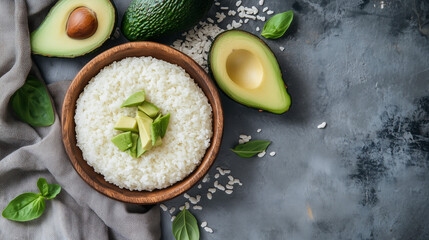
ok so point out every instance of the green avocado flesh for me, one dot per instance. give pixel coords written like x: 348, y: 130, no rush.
x: 144, y: 123
x: 151, y: 19
x: 123, y: 141
x: 246, y: 69
x: 148, y: 108
x: 144, y: 131
x: 126, y: 124
x: 51, y: 38
x: 133, y: 149
x: 140, y: 149
x: 134, y: 100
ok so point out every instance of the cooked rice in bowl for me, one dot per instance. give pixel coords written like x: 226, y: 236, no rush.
x: 167, y: 86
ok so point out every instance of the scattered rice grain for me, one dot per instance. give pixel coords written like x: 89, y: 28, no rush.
x: 163, y: 207
x: 322, y: 125
x: 206, y: 178
x: 172, y: 210
x: 231, y: 13
x: 193, y: 200
x: 219, y: 186
x: 261, y: 18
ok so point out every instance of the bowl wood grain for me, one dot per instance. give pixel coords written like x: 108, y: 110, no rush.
x: 138, y: 49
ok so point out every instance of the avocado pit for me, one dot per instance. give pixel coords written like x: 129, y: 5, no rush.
x: 82, y: 23
x: 244, y: 68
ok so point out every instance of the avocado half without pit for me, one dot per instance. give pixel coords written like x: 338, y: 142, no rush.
x: 246, y: 69
x: 73, y: 28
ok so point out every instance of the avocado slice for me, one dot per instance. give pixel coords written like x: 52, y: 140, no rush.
x: 150, y: 109
x: 133, y: 149
x: 140, y: 149
x: 164, y: 120
x: 151, y: 19
x: 73, y: 28
x: 134, y: 100
x: 155, y: 132
x: 144, y: 123
x: 246, y: 69
x: 123, y: 141
x: 126, y: 124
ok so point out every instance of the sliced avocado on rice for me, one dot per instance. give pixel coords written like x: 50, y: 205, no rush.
x: 155, y: 131
x: 134, y: 100
x: 126, y: 124
x: 140, y: 149
x: 148, y: 108
x: 149, y: 123
x: 123, y: 141
x: 144, y: 122
x: 165, y: 120
x: 133, y: 149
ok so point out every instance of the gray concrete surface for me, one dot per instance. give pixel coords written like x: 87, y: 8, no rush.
x: 363, y: 67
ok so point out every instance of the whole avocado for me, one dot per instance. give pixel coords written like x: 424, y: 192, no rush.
x: 151, y: 19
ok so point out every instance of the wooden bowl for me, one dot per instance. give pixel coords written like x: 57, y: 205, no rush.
x: 138, y: 49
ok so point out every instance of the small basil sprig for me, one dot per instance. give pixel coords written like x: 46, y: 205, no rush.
x: 185, y: 226
x: 31, y: 103
x: 276, y: 26
x: 29, y: 206
x: 251, y: 148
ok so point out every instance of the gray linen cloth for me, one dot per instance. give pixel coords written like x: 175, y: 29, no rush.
x: 27, y: 153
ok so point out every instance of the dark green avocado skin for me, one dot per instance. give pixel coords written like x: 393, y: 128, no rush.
x: 151, y: 19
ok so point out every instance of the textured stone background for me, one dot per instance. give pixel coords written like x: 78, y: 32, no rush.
x: 363, y: 67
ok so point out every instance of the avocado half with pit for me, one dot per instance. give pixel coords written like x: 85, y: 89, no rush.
x: 246, y: 69
x: 73, y: 28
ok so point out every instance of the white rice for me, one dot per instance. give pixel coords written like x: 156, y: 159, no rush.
x: 170, y: 88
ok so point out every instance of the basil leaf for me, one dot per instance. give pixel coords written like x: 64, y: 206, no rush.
x: 42, y: 184
x: 251, y: 148
x: 54, y: 189
x: 25, y: 207
x: 185, y: 226
x: 276, y: 26
x: 31, y: 103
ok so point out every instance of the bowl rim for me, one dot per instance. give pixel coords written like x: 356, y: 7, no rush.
x: 96, y: 180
